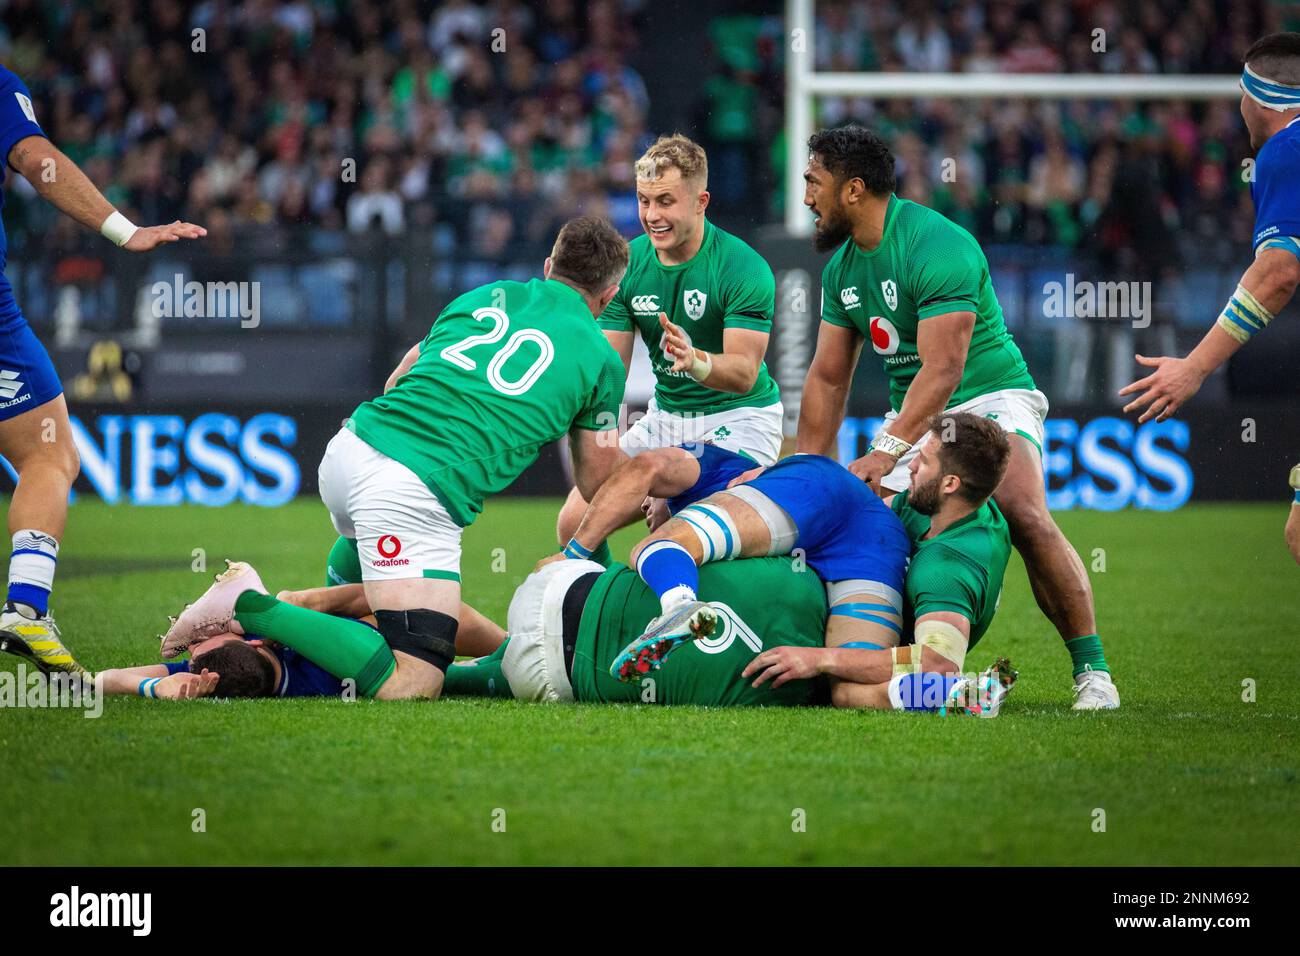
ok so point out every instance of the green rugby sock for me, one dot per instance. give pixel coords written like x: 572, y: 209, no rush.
x: 478, y: 678
x: 344, y: 564
x: 345, y: 648
x: 1086, y: 654
x: 602, y: 555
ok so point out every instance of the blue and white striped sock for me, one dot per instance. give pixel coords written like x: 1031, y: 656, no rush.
x: 670, y: 570
x: 31, y: 570
x: 924, y: 691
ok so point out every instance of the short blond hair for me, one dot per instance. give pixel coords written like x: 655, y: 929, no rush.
x: 674, y: 152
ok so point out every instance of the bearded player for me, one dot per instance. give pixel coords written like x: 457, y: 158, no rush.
x: 960, y: 549
x: 35, y: 434
x: 917, y: 286
x: 505, y: 369
x: 702, y: 301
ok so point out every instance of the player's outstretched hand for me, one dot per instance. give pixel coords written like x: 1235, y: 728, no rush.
x: 558, y: 556
x: 784, y: 664
x: 186, y: 686
x: 676, y: 344
x: 1167, y: 389
x: 150, y: 237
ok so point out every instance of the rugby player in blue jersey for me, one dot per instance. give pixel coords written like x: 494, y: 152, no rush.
x: 1270, y: 105
x: 35, y: 436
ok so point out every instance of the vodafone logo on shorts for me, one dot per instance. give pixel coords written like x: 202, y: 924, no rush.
x: 884, y: 337
x: 389, y: 547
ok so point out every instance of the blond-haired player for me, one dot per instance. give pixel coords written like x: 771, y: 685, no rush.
x: 702, y: 301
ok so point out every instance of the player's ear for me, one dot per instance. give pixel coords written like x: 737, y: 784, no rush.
x: 256, y: 642
x: 546, y: 268
x: 607, y: 296
x: 703, y: 200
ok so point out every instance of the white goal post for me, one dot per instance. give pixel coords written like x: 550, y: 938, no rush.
x: 803, y: 84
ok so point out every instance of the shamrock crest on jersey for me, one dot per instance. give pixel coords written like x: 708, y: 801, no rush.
x: 693, y: 300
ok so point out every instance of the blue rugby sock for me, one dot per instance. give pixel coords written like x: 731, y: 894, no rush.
x: 31, y: 570
x: 924, y: 691
x: 670, y: 570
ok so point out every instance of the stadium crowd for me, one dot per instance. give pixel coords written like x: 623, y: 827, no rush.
x: 493, y: 121
x: 1111, y: 177
x: 365, y: 116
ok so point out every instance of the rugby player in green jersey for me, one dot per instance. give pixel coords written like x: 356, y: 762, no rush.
x: 702, y: 301
x: 505, y: 369
x: 960, y: 549
x: 917, y: 287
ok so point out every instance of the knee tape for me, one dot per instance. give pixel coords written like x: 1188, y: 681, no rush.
x: 719, y: 538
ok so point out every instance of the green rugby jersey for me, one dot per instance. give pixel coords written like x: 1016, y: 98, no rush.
x: 506, y: 368
x: 726, y: 285
x: 958, y: 570
x: 761, y: 603
x: 925, y: 265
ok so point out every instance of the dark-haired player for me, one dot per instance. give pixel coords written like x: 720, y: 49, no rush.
x: 917, y: 287
x: 1270, y: 106
x: 505, y: 369
x: 960, y: 551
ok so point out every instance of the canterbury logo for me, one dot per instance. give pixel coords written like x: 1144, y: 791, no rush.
x: 849, y: 297
x: 645, y: 303
x: 10, y: 384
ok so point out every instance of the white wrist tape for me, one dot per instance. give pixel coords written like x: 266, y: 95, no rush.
x: 702, y: 367
x: 117, y: 228
x: 893, y: 447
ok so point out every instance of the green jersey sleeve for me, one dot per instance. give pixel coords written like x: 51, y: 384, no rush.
x: 750, y: 293
x: 942, y: 579
x: 616, y: 317
x: 948, y: 270
x: 832, y: 309
x: 602, y: 413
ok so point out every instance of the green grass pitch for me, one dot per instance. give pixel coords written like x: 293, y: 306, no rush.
x: 1191, y: 604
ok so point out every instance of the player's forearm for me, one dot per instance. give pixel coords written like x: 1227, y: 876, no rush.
x: 859, y: 665
x: 126, y: 680
x: 60, y: 181
x: 1265, y: 289
x: 615, y: 505
x: 928, y: 395
x: 821, y: 412
x: 1213, y: 350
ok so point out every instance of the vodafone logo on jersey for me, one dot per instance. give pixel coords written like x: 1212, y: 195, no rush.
x: 389, y: 547
x: 884, y: 337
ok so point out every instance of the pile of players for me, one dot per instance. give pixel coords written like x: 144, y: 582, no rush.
x: 761, y: 581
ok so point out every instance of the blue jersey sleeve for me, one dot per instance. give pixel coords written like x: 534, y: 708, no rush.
x: 17, y: 115
x: 1276, y: 189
